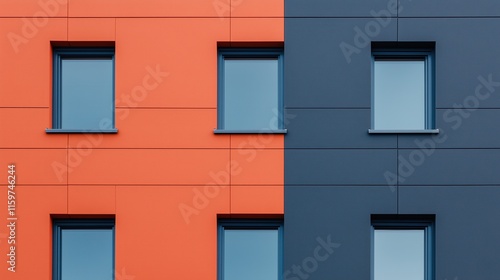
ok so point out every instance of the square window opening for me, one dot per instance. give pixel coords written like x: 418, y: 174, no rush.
x: 81, y: 244
x: 403, y: 248
x: 250, y: 91
x: 403, y: 90
x: 83, y: 90
x: 250, y: 249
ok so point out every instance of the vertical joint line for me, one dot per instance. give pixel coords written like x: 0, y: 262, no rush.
x: 397, y: 174
x: 230, y: 25
x: 67, y: 21
x: 397, y: 22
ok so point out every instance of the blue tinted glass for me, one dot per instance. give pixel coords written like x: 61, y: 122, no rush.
x: 251, y: 94
x: 399, y: 254
x: 251, y: 254
x: 87, y: 254
x: 399, y: 95
x: 87, y: 93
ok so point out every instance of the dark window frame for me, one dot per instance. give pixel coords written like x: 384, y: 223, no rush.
x: 61, y: 53
x: 248, y: 53
x: 61, y: 224
x: 249, y: 224
x: 404, y: 52
x: 408, y: 222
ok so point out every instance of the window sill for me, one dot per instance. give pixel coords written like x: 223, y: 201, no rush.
x: 250, y: 131
x: 423, y: 131
x: 80, y: 131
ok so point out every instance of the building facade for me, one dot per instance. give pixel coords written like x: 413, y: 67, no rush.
x: 338, y: 176
x: 164, y: 176
x: 170, y: 171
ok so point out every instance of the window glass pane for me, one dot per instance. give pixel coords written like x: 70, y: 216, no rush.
x: 87, y: 93
x: 399, y: 254
x: 250, y: 254
x: 251, y: 94
x: 399, y: 95
x: 87, y: 254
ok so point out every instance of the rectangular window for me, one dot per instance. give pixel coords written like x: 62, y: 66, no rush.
x: 250, y: 91
x: 403, y: 91
x: 402, y: 248
x: 83, y: 91
x: 83, y: 249
x: 250, y: 249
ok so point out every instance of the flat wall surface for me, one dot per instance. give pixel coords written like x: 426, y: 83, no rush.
x: 337, y: 175
x: 165, y: 176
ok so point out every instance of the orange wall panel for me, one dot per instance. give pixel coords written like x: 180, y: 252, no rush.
x: 33, y: 231
x: 33, y: 8
x: 91, y: 199
x: 257, y: 8
x: 149, y: 224
x: 91, y: 29
x: 26, y: 56
x: 258, y: 167
x: 257, y: 29
x: 257, y: 141
x: 257, y: 200
x: 159, y: 128
x: 25, y: 128
x: 36, y: 166
x: 142, y: 8
x: 146, y: 166
x: 165, y: 175
x: 168, y: 62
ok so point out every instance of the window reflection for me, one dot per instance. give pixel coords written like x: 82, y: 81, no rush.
x: 87, y: 254
x: 250, y: 94
x: 399, y: 254
x: 399, y: 95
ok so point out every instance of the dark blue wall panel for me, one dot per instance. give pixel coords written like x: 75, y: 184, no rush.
x: 318, y: 74
x: 337, y: 175
x: 473, y: 128
x: 335, y: 128
x: 467, y: 226
x: 466, y: 54
x: 339, y: 166
x: 441, y: 8
x: 449, y: 167
x: 338, y: 8
x: 343, y: 213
